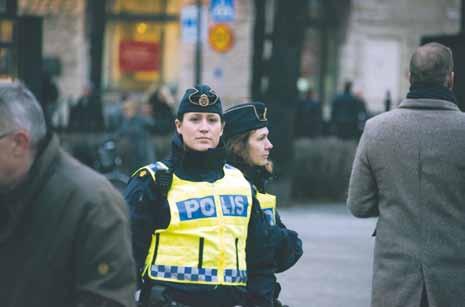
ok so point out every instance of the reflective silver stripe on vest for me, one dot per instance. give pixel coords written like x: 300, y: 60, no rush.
x: 235, y: 276
x: 185, y: 273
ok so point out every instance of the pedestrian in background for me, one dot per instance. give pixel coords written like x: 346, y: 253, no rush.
x: 409, y: 172
x: 248, y: 149
x: 87, y: 114
x: 162, y: 101
x: 348, y: 114
x: 135, y: 135
x: 309, y: 117
x: 64, y: 233
x: 49, y: 99
x: 193, y: 217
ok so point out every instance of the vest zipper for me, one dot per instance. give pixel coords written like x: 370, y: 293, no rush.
x: 155, y: 252
x: 237, y: 255
x: 201, y: 242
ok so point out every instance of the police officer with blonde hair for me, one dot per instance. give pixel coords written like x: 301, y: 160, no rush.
x: 197, y: 227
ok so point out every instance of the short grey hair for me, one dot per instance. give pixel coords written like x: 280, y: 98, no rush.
x: 19, y: 109
x: 431, y: 64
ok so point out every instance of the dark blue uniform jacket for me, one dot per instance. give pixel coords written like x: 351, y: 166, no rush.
x: 149, y: 211
x: 287, y: 252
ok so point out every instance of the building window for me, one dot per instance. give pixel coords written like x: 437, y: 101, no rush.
x: 7, y: 59
x: 141, y: 44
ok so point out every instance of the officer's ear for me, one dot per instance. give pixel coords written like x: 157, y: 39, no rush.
x: 222, y: 126
x: 178, y: 125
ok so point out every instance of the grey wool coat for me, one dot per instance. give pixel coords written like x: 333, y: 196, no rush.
x: 409, y: 171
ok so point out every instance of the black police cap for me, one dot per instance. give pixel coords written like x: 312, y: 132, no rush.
x: 243, y: 118
x: 200, y: 98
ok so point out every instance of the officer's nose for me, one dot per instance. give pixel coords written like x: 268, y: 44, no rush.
x: 204, y: 126
x: 268, y: 144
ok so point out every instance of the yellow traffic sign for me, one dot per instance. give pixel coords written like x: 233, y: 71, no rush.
x: 221, y: 37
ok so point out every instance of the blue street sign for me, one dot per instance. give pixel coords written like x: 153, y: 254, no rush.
x: 189, y: 22
x: 222, y: 11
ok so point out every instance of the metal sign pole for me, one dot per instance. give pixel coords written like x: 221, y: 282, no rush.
x: 198, y: 45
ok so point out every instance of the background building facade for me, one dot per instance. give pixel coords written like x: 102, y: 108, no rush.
x: 133, y: 45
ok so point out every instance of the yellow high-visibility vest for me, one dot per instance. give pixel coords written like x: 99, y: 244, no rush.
x: 206, y: 238
x: 268, y: 205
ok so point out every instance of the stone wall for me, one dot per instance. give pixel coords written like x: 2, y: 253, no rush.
x: 399, y: 23
x: 63, y: 38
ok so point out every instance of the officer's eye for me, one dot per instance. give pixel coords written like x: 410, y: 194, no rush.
x: 213, y: 119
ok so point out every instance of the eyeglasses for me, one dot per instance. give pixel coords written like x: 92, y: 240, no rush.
x: 259, y: 111
x: 203, y: 100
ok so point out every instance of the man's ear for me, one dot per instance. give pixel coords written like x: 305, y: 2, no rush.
x: 21, y: 143
x: 451, y: 80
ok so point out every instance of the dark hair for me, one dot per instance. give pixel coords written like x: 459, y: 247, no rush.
x: 431, y: 64
x: 347, y: 86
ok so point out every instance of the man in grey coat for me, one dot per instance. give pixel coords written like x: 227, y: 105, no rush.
x: 409, y: 171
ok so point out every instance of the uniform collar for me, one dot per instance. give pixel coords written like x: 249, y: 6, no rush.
x: 256, y: 175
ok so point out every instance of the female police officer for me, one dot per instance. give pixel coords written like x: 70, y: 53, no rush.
x: 193, y: 217
x: 248, y: 149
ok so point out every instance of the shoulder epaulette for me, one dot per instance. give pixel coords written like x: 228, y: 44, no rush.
x: 161, y: 174
x: 150, y: 169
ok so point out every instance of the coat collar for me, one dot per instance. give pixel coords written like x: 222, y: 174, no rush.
x: 42, y: 167
x: 19, y: 199
x: 431, y: 104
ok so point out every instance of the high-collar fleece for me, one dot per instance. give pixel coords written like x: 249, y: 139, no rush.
x: 256, y: 175
x: 197, y: 165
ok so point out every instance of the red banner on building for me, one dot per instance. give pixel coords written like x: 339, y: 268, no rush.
x: 136, y: 56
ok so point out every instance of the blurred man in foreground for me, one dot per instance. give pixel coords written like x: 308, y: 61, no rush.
x: 64, y: 234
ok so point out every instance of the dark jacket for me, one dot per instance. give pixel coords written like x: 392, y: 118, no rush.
x: 64, y: 238
x: 136, y: 142
x: 87, y: 114
x: 287, y: 253
x: 149, y: 211
x: 348, y: 116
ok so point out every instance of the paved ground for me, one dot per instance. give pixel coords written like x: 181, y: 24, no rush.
x: 335, y: 270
